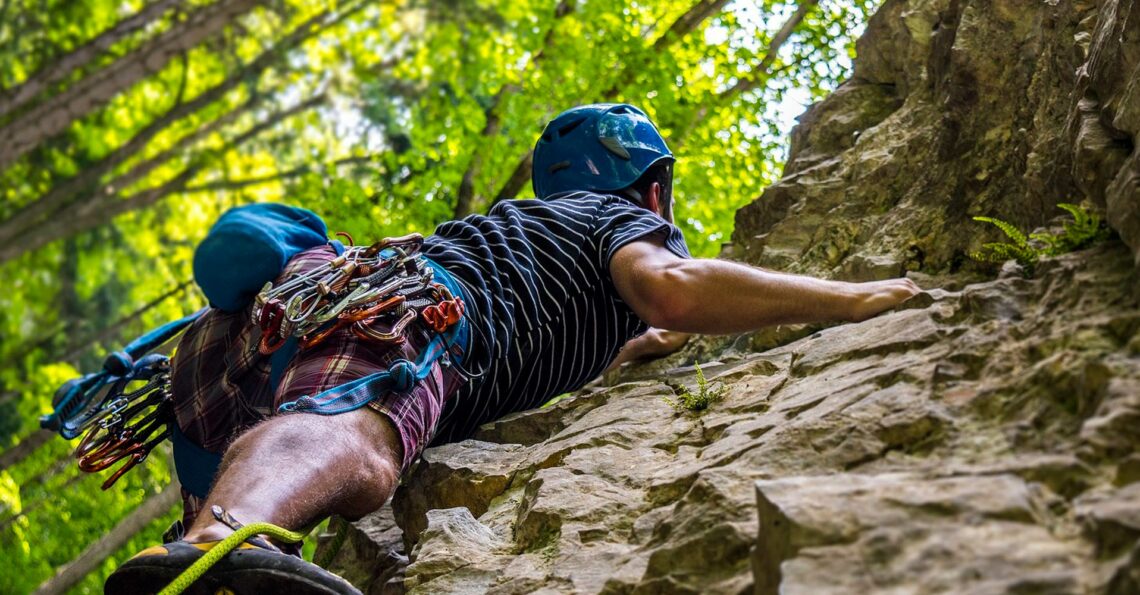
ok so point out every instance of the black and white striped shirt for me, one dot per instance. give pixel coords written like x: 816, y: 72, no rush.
x: 546, y: 318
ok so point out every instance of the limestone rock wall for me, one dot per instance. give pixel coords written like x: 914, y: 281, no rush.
x: 958, y: 108
x: 981, y: 439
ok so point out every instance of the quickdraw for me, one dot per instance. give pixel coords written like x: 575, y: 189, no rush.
x: 111, y: 432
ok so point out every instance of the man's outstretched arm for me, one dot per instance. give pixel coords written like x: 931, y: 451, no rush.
x: 719, y: 297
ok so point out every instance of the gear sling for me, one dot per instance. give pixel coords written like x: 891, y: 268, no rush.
x: 377, y: 291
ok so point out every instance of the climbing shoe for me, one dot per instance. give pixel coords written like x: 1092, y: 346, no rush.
x: 243, y: 564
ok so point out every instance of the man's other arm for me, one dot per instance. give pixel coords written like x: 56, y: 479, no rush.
x: 721, y: 297
x: 654, y: 343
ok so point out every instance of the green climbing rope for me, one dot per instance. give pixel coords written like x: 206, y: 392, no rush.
x: 337, y: 542
x: 225, y: 546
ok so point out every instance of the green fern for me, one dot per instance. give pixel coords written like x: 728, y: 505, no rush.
x: 1008, y: 229
x: 700, y: 400
x: 998, y: 252
x: 1085, y: 229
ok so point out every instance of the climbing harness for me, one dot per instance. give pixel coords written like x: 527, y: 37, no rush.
x: 377, y: 292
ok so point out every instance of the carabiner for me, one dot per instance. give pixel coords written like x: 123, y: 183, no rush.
x: 134, y: 460
x: 443, y: 315
x: 364, y: 330
x: 104, y: 458
x: 413, y: 239
x: 137, y: 453
x: 348, y: 318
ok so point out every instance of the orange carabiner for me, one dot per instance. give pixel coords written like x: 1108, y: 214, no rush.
x: 104, y: 459
x: 135, y: 459
x: 348, y: 318
x: 443, y: 315
x: 89, y: 444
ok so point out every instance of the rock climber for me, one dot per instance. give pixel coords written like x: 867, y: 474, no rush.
x: 552, y: 289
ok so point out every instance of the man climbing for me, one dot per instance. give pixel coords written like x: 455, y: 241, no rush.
x: 551, y: 289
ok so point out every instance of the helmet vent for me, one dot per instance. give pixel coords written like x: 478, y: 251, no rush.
x: 569, y: 127
x: 558, y: 166
x: 614, y: 145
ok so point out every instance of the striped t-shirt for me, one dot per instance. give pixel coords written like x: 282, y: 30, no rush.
x: 545, y: 316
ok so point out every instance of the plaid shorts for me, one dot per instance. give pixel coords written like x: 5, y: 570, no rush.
x: 221, y: 382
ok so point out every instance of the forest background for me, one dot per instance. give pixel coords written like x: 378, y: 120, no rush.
x: 127, y: 127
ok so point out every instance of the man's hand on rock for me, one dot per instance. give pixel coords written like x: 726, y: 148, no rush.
x: 875, y: 297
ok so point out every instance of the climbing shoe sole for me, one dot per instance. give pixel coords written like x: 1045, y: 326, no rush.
x: 245, y: 571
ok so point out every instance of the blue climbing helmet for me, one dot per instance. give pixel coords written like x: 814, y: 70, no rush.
x: 602, y: 147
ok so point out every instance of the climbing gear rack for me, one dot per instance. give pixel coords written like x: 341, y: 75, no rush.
x: 376, y: 291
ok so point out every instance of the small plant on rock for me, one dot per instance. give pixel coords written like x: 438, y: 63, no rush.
x: 700, y: 400
x: 1085, y: 229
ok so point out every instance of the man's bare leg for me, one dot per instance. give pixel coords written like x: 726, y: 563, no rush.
x: 293, y: 470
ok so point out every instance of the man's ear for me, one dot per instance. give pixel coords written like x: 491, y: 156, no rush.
x: 653, y: 199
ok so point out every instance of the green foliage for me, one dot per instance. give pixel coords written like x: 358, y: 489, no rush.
x: 1085, y: 229
x: 695, y: 402
x: 1019, y: 250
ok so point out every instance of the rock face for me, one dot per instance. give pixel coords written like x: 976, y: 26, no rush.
x: 982, y: 439
x: 958, y: 108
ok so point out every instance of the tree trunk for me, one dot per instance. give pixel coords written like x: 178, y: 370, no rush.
x: 63, y: 66
x: 51, y: 204
x: 33, y: 127
x: 71, y: 573
x: 25, y: 447
x: 29, y: 508
x: 517, y: 180
x: 492, y: 121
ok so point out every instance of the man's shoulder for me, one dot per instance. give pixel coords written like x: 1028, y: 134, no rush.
x: 562, y: 201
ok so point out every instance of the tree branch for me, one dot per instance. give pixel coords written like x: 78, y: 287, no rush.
x: 492, y: 120
x: 34, y: 126
x: 61, y: 195
x: 61, y: 67
x: 284, y: 175
x: 101, y: 211
x: 687, y: 22
x: 178, y: 97
x: 759, y: 73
